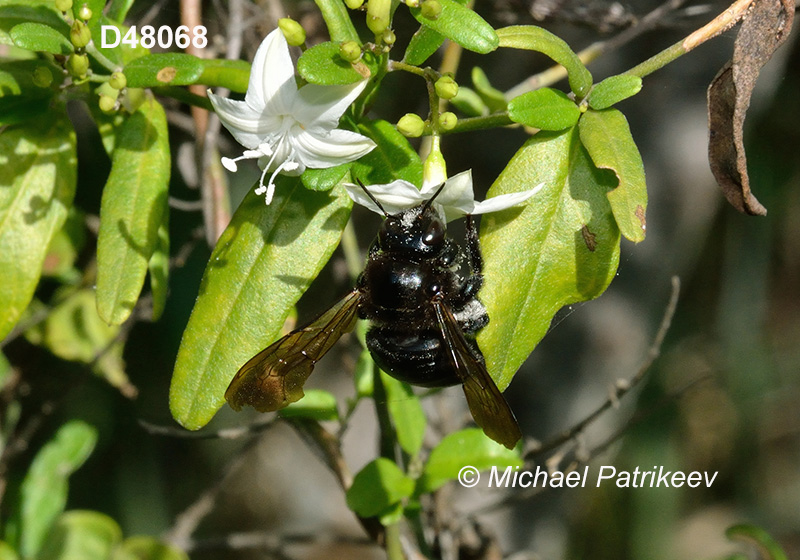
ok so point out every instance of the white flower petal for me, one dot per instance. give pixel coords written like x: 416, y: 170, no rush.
x: 320, y: 107
x: 338, y: 146
x: 503, y: 201
x: 457, y: 194
x: 272, y: 86
x: 394, y: 197
x: 248, y: 127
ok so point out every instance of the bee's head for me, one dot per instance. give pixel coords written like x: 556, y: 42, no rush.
x: 418, y: 230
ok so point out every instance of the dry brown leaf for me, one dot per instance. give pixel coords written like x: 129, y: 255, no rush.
x: 765, y: 27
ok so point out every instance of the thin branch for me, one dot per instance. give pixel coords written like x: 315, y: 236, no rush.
x: 225, y: 433
x: 621, y: 387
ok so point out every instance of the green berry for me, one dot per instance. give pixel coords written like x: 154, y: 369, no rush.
x: 431, y: 9
x: 446, y: 87
x: 388, y: 37
x: 107, y: 103
x: 85, y: 13
x: 447, y: 121
x: 63, y: 5
x: 378, y: 15
x: 411, y: 125
x: 412, y: 3
x: 118, y: 80
x: 350, y: 51
x: 42, y: 76
x: 293, y: 31
x: 354, y: 4
x: 79, y: 34
x: 78, y: 64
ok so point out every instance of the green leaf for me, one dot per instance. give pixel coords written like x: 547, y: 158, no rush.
x: 754, y: 535
x: 133, y: 208
x: 122, y: 54
x: 545, y: 108
x: 406, y: 413
x: 614, y: 89
x: 38, y: 37
x: 423, y: 44
x: 469, y: 447
x: 530, y: 37
x: 118, y: 9
x: 37, y: 185
x: 17, y: 109
x: 493, y: 98
x: 81, y: 535
x: 231, y: 74
x: 460, y: 24
x: 607, y: 138
x: 469, y: 102
x: 29, y: 11
x: 337, y: 19
x: 65, y: 246
x: 16, y: 78
x: 393, y: 158
x: 363, y: 377
x: 324, y: 179
x: 560, y: 248
x: 316, y: 405
x: 43, y: 494
x: 377, y: 488
x: 158, y: 266
x: 149, y: 548
x: 322, y: 64
x: 263, y: 262
x: 164, y: 69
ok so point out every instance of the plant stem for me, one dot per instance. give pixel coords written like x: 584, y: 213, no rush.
x: 394, y: 548
x: 481, y: 123
x: 352, y: 255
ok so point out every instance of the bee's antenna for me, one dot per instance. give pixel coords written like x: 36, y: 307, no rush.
x: 431, y: 199
x: 372, y: 197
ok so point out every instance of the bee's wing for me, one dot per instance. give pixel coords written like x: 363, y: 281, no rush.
x: 486, y: 403
x: 274, y: 377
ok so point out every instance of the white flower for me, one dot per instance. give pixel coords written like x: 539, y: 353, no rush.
x: 289, y: 129
x: 455, y: 200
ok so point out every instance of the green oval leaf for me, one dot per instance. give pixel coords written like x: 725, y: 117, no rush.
x: 263, y: 262
x: 561, y: 247
x: 158, y: 266
x: 469, y: 102
x: 406, y: 412
x: 149, y: 548
x: 492, y: 97
x: 469, y: 447
x: 38, y: 173
x: 614, y: 89
x: 423, y: 44
x: 460, y: 24
x: 316, y: 405
x: 231, y: 74
x: 164, y: 69
x: 325, y: 179
x: 378, y: 487
x: 133, y: 208
x: 393, y: 158
x: 322, y: 64
x: 533, y: 38
x: 38, y: 37
x: 545, y: 109
x: 607, y: 137
x: 43, y: 493
x: 88, y: 535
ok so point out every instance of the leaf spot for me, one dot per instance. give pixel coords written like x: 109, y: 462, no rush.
x: 166, y: 74
x: 589, y: 238
x: 640, y: 215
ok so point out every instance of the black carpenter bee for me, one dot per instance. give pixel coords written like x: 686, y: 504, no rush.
x: 423, y: 314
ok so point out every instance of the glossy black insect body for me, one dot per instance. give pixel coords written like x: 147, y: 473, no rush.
x: 419, y: 293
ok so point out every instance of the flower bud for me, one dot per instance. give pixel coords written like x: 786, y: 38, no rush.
x: 434, y: 169
x: 79, y: 34
x: 388, y: 37
x: 78, y: 64
x: 293, y: 31
x: 350, y: 51
x: 411, y: 125
x: 85, y: 13
x: 354, y: 4
x: 431, y: 9
x: 447, y: 121
x: 378, y: 15
x: 446, y: 87
x: 63, y: 5
x: 412, y: 3
x: 118, y: 80
x: 42, y: 76
x: 107, y: 103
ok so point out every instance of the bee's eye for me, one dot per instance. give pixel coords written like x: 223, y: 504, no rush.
x: 435, y: 233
